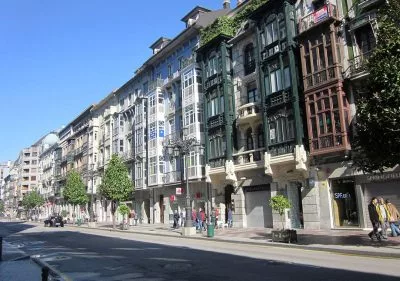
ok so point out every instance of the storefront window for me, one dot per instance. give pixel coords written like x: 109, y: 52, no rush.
x: 344, y: 203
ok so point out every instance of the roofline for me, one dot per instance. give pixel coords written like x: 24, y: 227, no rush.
x: 80, y: 116
x: 187, y: 16
x: 161, y: 39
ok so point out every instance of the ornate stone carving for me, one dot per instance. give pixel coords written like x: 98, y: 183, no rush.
x: 300, y: 158
x: 267, y: 164
x: 230, y: 171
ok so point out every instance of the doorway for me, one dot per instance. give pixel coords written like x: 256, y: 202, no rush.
x: 345, y: 203
x: 228, y: 200
x: 162, y: 208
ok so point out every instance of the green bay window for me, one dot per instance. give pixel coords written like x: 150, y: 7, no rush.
x: 281, y: 129
x: 217, y: 146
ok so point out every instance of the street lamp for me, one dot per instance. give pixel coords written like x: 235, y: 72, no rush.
x: 182, y: 147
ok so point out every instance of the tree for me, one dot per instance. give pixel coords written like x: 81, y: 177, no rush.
x: 1, y: 206
x: 116, y: 185
x: 376, y: 143
x: 32, y: 200
x: 279, y: 204
x: 75, y: 190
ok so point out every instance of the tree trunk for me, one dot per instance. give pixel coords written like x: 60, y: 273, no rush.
x: 282, y: 221
x: 113, y: 209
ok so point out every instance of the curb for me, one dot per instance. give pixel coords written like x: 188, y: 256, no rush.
x: 53, y: 272
x: 363, y: 253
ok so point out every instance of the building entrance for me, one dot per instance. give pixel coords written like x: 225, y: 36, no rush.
x: 344, y: 203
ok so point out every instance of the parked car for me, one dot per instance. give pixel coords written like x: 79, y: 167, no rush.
x: 54, y: 221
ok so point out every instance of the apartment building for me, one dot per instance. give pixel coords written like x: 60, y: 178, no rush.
x: 4, y: 172
x: 47, y: 173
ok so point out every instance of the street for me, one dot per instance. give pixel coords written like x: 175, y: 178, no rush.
x: 89, y: 254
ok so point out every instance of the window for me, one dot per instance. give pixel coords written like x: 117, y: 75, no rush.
x: 189, y: 115
x: 121, y: 125
x: 286, y: 77
x: 252, y: 92
x: 281, y: 129
x: 212, y: 67
x: 249, y: 61
x: 272, y: 32
x: 213, y: 107
x: 169, y: 70
x: 249, y: 139
x: 145, y: 87
x: 217, y: 146
x: 152, y: 100
x: 260, y: 136
x: 188, y: 79
x: 275, y: 80
x: 153, y: 133
x: 153, y: 165
x: 121, y: 145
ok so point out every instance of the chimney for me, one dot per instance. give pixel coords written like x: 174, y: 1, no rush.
x: 227, y: 4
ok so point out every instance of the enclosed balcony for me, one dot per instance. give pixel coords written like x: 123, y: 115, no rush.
x: 329, y: 143
x: 323, y: 76
x: 172, y: 177
x: 327, y: 12
x: 249, y: 113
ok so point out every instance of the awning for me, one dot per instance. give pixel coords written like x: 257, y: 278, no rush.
x: 343, y: 172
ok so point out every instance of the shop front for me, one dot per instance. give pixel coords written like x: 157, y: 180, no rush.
x: 344, y: 203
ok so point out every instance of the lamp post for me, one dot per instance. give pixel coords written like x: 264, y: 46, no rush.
x: 182, y: 147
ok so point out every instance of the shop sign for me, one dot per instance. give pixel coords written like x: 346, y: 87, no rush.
x: 255, y: 188
x: 179, y: 191
x: 341, y: 195
x: 321, y: 14
x: 172, y: 198
x: 384, y: 177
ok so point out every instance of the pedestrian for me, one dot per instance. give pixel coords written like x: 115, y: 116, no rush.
x: 183, y: 217
x: 384, y: 217
x: 176, y: 219
x: 194, y: 217
x: 198, y: 220
x: 374, y: 217
x: 203, y: 220
x: 394, y: 218
x: 230, y: 218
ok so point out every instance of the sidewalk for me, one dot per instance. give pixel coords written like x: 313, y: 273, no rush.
x: 16, y: 266
x: 354, y: 242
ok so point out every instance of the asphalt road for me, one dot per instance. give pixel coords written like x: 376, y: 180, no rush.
x: 102, y: 255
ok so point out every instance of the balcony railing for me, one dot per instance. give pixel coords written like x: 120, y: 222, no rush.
x: 250, y: 156
x: 320, y: 77
x: 368, y: 4
x: 282, y: 148
x: 217, y: 162
x: 317, y: 17
x: 278, y: 98
x: 215, y: 121
x: 158, y: 83
x: 248, y: 112
x: 327, y: 141
x: 172, y: 177
x: 358, y: 64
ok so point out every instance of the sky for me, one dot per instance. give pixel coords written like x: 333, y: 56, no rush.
x: 58, y: 57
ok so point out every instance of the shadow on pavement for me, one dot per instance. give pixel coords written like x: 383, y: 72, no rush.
x: 352, y: 240
x: 95, y: 257
x: 10, y: 228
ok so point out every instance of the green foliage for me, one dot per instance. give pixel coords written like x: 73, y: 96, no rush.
x: 116, y: 185
x: 280, y: 203
x: 123, y: 210
x: 225, y: 25
x: 376, y: 144
x: 75, y: 190
x: 64, y: 213
x: 32, y: 200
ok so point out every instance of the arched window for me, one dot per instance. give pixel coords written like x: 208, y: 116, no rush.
x: 260, y: 136
x: 249, y: 140
x: 249, y: 61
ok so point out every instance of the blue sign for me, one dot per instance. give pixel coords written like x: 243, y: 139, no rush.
x: 161, y: 133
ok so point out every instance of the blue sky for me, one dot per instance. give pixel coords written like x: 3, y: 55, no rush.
x: 58, y: 57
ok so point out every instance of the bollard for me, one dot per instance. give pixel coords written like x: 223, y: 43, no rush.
x: 45, y: 273
x: 1, y: 248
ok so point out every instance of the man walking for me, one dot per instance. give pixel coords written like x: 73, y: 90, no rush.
x: 394, y: 218
x: 384, y: 217
x: 374, y: 217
